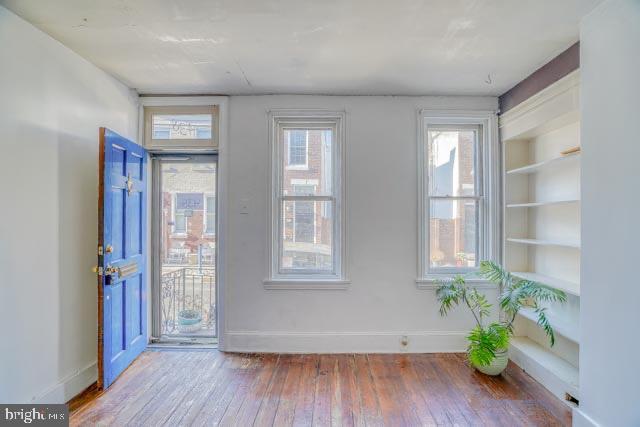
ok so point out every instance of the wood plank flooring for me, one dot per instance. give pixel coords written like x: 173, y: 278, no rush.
x: 213, y: 388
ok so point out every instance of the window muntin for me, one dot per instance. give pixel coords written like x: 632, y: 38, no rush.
x: 454, y: 201
x: 307, y: 217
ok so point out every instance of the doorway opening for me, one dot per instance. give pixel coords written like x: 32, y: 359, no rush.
x: 185, y: 249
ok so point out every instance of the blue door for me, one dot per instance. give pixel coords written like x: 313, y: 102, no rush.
x: 122, y: 248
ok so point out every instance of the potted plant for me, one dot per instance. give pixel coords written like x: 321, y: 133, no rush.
x: 461, y: 259
x: 488, y: 342
x: 189, y: 320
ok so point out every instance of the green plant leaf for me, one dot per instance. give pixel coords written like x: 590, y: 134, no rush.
x: 450, y: 293
x: 493, y: 272
x: 484, y: 343
x: 543, y: 321
x: 516, y: 294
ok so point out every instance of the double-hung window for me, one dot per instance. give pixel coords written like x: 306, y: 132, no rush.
x: 307, y: 206
x: 459, y: 193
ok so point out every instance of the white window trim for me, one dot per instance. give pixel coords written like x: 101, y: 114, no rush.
x: 309, y: 279
x: 206, y: 212
x: 305, y: 166
x: 491, y: 185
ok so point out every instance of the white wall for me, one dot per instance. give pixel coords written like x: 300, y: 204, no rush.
x: 51, y: 105
x: 609, y: 345
x: 382, y: 302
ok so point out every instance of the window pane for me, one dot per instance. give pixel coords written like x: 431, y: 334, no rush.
x: 307, y: 162
x: 452, y: 162
x: 181, y: 126
x: 453, y: 233
x: 186, y: 254
x: 306, y: 236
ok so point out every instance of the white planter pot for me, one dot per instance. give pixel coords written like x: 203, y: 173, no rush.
x: 188, y: 329
x: 496, y: 367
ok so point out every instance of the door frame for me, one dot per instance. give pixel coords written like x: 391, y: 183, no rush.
x: 223, y: 175
x: 156, y: 237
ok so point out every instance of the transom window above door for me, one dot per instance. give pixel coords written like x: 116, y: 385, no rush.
x: 181, y: 127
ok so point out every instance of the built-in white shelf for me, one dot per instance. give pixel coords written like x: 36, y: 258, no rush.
x: 558, y: 375
x: 535, y: 167
x: 564, y: 285
x: 539, y: 204
x: 541, y: 242
x: 568, y: 330
x: 541, y: 232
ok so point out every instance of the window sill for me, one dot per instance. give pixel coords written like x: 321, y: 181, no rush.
x: 304, y: 285
x: 432, y: 283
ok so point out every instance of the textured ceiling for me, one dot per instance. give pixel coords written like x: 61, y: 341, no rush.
x: 370, y: 47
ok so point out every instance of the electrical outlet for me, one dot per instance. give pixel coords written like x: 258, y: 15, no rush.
x: 404, y: 340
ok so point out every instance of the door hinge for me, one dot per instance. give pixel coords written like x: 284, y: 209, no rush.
x: 100, y: 250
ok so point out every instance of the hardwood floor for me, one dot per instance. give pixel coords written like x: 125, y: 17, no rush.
x: 208, y: 387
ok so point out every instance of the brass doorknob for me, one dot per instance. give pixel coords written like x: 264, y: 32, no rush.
x: 108, y: 249
x: 111, y: 270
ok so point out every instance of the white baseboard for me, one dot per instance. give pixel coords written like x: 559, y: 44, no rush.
x: 70, y: 386
x: 580, y: 419
x: 345, y: 342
